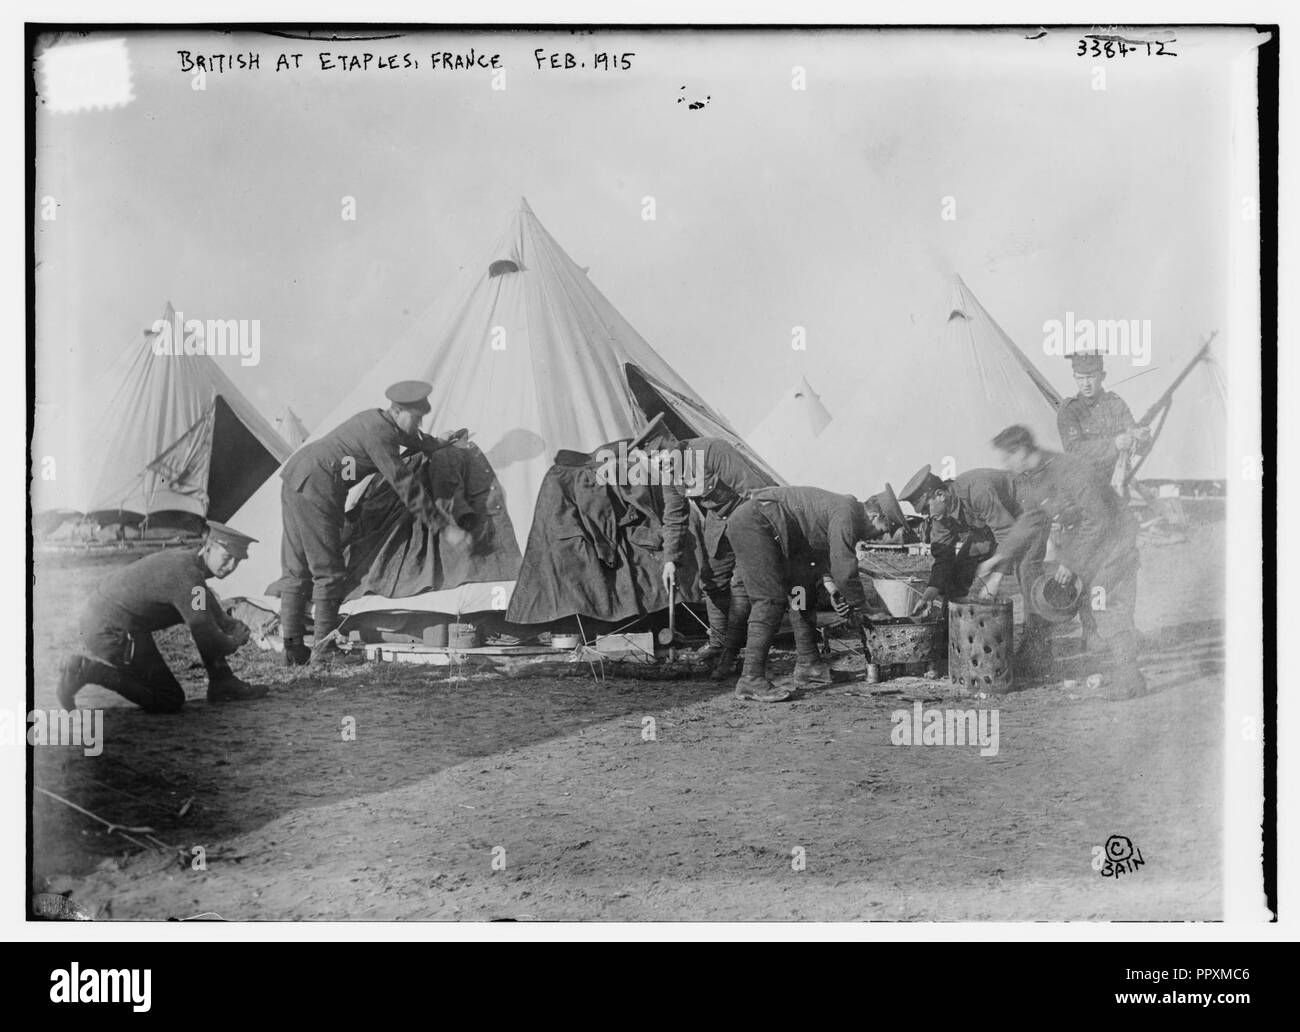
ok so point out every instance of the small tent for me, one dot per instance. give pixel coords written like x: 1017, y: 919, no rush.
x: 532, y: 359
x: 176, y: 438
x: 785, y: 436
x: 1188, y: 410
x: 938, y: 398
x: 291, y: 428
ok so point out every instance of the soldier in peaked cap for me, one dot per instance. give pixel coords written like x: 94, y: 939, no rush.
x: 165, y: 589
x: 313, y: 496
x: 886, y: 518
x: 1096, y: 424
x: 970, y: 516
x: 711, y: 473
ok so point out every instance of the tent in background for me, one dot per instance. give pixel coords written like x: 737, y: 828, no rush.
x: 526, y: 353
x: 290, y: 428
x: 786, y: 434
x: 938, y: 398
x: 176, y: 437
x: 1191, y: 421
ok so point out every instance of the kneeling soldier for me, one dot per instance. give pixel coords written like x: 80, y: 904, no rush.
x: 161, y: 590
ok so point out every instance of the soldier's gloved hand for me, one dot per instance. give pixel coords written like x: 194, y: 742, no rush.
x: 842, y: 609
x: 852, y: 618
x: 928, y: 596
x: 669, y: 575
x: 1124, y: 441
x: 1063, y: 575
x: 1141, y: 433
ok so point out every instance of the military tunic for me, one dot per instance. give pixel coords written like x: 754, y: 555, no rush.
x: 728, y: 479
x: 1089, y: 427
x: 313, y: 496
x: 983, y: 509
x: 153, y: 593
x: 1098, y: 540
x: 780, y: 533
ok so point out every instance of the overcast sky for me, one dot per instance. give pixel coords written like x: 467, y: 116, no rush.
x: 775, y: 207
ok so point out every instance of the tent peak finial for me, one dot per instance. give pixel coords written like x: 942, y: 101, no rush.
x: 523, y: 205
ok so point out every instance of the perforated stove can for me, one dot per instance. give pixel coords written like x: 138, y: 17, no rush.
x: 980, y: 645
x: 873, y: 673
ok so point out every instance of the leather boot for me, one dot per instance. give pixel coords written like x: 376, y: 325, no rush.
x: 325, y: 649
x: 224, y: 686
x: 293, y: 625
x: 809, y: 668
x: 726, y: 667
x: 716, y: 606
x: 764, y: 620
x: 82, y: 670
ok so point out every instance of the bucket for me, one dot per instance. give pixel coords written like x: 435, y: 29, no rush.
x: 899, y: 596
x: 980, y: 645
x: 462, y: 636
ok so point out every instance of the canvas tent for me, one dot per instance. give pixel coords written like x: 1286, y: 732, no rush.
x: 176, y: 437
x: 290, y: 428
x: 527, y: 354
x: 939, y: 396
x: 786, y: 434
x: 1190, y: 422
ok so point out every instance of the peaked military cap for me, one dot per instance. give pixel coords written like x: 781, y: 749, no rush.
x: 230, y: 539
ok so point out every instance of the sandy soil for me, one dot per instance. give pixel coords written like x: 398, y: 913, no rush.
x: 475, y: 798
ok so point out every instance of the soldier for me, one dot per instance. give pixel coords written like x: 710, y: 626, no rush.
x: 317, y: 479
x: 968, y: 516
x: 886, y: 520
x: 1098, y: 541
x: 165, y: 589
x: 719, y: 480
x: 783, y: 537
x: 1096, y: 424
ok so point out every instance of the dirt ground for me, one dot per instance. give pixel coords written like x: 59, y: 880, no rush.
x: 529, y: 798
